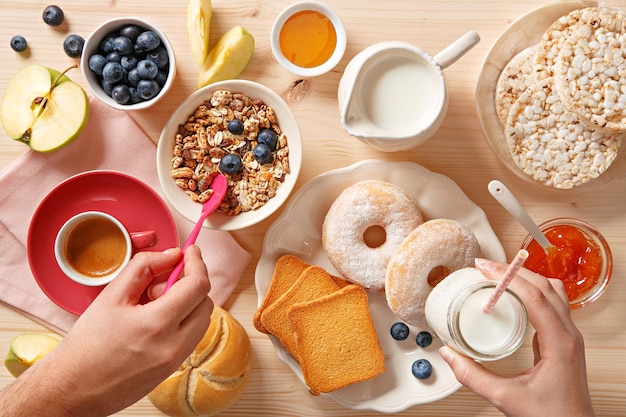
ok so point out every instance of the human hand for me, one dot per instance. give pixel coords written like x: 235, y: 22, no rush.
x: 557, y: 383
x: 119, y: 350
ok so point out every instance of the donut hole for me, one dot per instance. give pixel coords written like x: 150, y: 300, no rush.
x: 374, y: 236
x: 437, y: 274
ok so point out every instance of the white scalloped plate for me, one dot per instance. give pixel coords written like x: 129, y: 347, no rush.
x: 298, y: 231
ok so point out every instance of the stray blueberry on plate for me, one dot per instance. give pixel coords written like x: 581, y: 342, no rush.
x: 52, y: 15
x: 73, y: 46
x: 423, y: 339
x: 235, y: 127
x: 18, y: 43
x: 399, y: 331
x: 262, y: 153
x: 268, y: 137
x: 422, y: 369
x: 230, y: 164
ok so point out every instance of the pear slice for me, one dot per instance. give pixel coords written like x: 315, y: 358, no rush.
x: 199, y: 13
x: 228, y: 58
x: 43, y: 108
x: 26, y: 349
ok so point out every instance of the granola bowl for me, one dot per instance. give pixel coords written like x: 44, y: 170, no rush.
x: 260, y: 153
x: 553, y: 171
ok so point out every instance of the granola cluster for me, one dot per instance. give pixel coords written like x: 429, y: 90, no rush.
x: 205, y: 139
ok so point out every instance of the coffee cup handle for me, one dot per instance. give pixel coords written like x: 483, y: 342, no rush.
x: 144, y: 240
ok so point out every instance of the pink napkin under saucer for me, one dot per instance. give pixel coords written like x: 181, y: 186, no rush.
x: 112, y: 141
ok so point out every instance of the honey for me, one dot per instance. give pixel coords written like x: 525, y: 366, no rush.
x: 308, y: 39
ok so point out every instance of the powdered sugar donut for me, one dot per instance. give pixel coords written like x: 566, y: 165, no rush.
x: 361, y: 206
x: 429, y: 254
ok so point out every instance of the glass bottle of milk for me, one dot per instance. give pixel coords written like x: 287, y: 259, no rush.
x: 454, y: 311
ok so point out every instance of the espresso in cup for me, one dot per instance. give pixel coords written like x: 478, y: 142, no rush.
x: 92, y: 247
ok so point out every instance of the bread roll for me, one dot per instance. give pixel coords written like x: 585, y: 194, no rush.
x: 213, y: 377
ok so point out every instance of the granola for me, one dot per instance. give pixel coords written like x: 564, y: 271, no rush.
x: 205, y: 139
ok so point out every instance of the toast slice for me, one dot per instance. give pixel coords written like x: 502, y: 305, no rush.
x: 288, y: 268
x: 313, y: 282
x: 336, y: 340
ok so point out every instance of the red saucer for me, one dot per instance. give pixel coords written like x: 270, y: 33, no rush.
x: 135, y: 204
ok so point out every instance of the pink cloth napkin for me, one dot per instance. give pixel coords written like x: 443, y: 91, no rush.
x: 113, y: 141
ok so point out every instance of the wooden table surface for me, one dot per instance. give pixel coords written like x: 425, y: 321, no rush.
x: 458, y: 150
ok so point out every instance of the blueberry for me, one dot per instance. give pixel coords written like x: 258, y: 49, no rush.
x: 147, y: 69
x: 422, y: 369
x: 399, y: 331
x: 123, y: 45
x: 131, y: 32
x: 235, y: 127
x: 147, y: 41
x: 148, y: 89
x: 112, y: 72
x: 97, y: 63
x: 18, y: 43
x: 133, y: 77
x: 262, y: 153
x: 129, y: 62
x: 121, y: 94
x: 161, y: 78
x: 107, y: 46
x: 423, y: 339
x: 268, y: 137
x: 73, y: 46
x: 230, y: 164
x: 134, y: 97
x: 107, y: 87
x: 159, y: 57
x: 114, y: 56
x: 52, y: 15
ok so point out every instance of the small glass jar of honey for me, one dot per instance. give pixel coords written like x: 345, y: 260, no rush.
x: 580, y: 257
x: 308, y: 39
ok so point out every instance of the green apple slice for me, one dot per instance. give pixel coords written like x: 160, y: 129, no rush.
x: 43, y: 108
x: 228, y: 58
x: 26, y: 349
x: 199, y: 14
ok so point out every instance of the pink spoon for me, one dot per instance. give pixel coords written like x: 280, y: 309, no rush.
x: 219, y: 186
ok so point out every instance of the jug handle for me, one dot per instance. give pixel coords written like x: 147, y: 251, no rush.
x: 457, y: 49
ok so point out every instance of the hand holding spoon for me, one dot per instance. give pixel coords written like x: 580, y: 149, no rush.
x: 219, y: 186
x: 510, y: 203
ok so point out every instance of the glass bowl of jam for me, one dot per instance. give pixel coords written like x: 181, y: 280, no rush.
x: 580, y: 257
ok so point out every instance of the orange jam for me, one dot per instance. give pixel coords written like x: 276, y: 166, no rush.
x: 575, y: 259
x: 308, y: 39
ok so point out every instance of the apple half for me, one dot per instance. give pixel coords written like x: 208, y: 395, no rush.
x: 43, y: 108
x: 26, y: 349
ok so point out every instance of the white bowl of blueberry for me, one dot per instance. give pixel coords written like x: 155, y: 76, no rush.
x: 128, y: 63
x: 238, y: 128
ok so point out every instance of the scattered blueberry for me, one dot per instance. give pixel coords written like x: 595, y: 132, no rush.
x: 112, y: 72
x: 18, y: 43
x: 399, y: 331
x: 120, y: 93
x: 132, y: 57
x: 235, y: 127
x: 423, y: 339
x: 148, y: 89
x: 53, y: 15
x: 268, y: 137
x: 262, y: 153
x: 123, y: 45
x: 230, y: 164
x: 422, y: 369
x: 73, y: 46
x: 147, y: 69
x: 147, y: 41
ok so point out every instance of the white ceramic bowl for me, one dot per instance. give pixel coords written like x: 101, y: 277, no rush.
x: 182, y: 202
x: 339, y: 30
x: 92, y: 45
